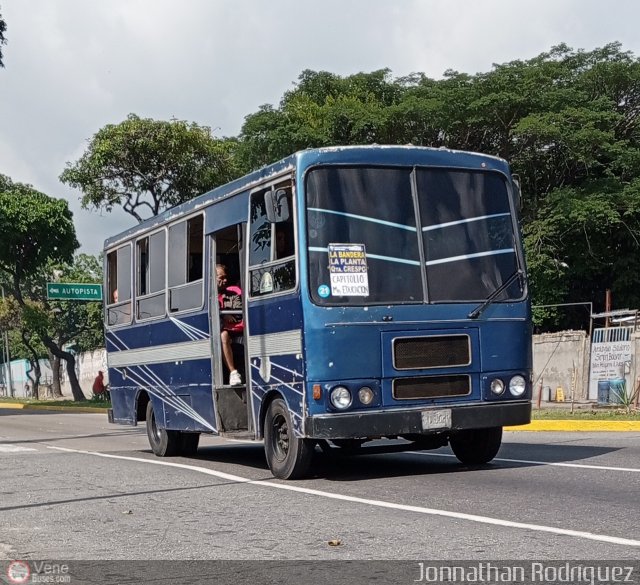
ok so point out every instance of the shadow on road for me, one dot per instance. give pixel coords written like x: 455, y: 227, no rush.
x: 339, y: 465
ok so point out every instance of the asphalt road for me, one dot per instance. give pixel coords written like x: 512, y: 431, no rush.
x: 73, y: 486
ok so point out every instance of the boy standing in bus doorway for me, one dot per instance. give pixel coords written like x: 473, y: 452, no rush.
x: 229, y: 298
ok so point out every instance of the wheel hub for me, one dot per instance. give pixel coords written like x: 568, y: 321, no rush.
x: 281, y: 437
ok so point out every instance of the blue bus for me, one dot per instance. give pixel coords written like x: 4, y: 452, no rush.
x: 381, y: 294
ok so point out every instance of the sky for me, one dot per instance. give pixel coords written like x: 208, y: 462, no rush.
x: 73, y: 66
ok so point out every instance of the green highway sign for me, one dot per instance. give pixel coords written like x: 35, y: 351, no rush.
x: 74, y: 291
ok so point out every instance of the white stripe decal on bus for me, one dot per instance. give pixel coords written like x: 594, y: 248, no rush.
x: 283, y: 343
x: 374, y: 256
x: 461, y: 221
x: 170, y: 352
x: 468, y: 256
x: 154, y: 385
x: 365, y: 218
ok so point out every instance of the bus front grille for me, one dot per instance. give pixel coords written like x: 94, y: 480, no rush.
x: 435, y: 351
x: 431, y: 387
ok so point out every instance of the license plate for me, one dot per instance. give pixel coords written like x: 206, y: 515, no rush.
x: 436, y: 419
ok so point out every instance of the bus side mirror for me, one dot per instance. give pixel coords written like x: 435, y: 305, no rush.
x: 277, y: 205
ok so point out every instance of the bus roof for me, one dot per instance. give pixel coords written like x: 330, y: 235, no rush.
x: 372, y: 154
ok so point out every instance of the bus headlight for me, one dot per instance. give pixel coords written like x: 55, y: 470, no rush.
x: 340, y: 397
x: 497, y: 386
x: 365, y: 395
x: 517, y: 385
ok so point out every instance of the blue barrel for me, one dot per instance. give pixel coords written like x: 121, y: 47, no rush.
x: 603, y: 391
x: 616, y: 391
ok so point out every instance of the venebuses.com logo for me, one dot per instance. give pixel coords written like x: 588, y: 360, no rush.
x: 18, y: 572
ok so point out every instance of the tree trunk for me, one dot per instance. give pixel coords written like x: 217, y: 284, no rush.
x: 78, y: 395
x: 54, y: 360
x: 35, y: 365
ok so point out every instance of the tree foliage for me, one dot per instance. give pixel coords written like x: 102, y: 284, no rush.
x: 146, y: 166
x: 35, y: 231
x: 568, y: 121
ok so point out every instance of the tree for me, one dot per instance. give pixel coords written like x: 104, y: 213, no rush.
x: 146, y: 166
x: 35, y: 230
x: 24, y: 343
x: 3, y: 40
x: 74, y: 326
x: 568, y: 121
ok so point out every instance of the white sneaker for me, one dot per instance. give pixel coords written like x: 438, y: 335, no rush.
x: 235, y: 379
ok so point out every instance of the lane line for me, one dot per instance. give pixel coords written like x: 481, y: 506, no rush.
x: 376, y: 503
x: 14, y: 449
x: 525, y: 461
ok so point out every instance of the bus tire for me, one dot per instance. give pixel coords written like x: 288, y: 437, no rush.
x: 163, y: 443
x: 476, y: 446
x: 288, y: 456
x: 189, y: 443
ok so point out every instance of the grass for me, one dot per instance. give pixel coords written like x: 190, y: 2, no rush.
x: 94, y: 403
x: 585, y: 414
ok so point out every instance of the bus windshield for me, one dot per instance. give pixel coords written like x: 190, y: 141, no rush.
x: 370, y: 229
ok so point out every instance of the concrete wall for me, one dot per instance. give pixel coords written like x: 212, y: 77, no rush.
x: 87, y: 366
x: 19, y: 377
x: 561, y: 360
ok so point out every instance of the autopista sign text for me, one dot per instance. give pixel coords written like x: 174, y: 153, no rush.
x: 74, y: 291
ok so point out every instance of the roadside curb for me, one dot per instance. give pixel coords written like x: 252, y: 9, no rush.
x: 81, y: 409
x: 579, y: 425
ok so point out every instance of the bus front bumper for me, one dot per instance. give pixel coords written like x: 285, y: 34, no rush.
x: 410, y: 421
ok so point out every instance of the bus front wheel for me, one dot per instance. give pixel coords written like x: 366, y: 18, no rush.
x: 288, y: 456
x: 476, y: 446
x: 163, y: 443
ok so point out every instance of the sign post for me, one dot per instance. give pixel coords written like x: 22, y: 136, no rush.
x: 74, y: 291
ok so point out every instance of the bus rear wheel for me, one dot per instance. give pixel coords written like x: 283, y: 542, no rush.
x: 288, y: 456
x: 476, y: 446
x: 163, y: 443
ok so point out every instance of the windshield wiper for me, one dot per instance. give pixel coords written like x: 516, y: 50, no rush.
x: 478, y: 310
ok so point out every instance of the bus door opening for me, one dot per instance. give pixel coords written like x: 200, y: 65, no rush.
x: 228, y: 334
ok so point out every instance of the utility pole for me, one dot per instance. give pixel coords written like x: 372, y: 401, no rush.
x: 7, y: 363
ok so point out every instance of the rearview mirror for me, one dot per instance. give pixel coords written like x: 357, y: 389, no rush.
x: 277, y: 205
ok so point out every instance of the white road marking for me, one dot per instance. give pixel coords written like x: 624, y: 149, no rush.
x: 525, y: 461
x: 376, y: 503
x: 14, y: 449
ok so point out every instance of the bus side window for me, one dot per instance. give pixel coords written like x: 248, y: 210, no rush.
x: 150, y: 276
x: 119, y: 286
x: 272, y: 265
x: 186, y: 243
